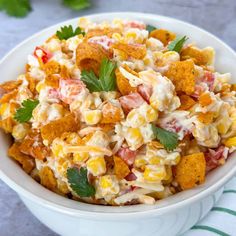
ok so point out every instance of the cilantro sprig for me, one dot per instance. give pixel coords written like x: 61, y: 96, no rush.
x: 177, y: 44
x: 78, y: 181
x: 150, y: 28
x: 105, y: 82
x: 168, y: 139
x: 24, y: 113
x: 17, y: 8
x: 77, y: 4
x: 67, y: 32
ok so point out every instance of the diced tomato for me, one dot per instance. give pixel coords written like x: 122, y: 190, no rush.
x: 127, y: 155
x: 131, y: 101
x: 104, y: 41
x: 213, y: 157
x: 135, y: 24
x: 69, y: 89
x: 209, y: 79
x: 53, y: 94
x: 145, y: 91
x: 131, y: 177
x: 42, y: 53
x: 198, y: 90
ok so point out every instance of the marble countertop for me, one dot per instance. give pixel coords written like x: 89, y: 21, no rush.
x: 215, y: 16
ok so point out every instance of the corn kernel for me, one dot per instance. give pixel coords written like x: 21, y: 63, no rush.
x: 58, y: 148
x: 79, y: 158
x: 140, y: 162
x: 154, y: 173
x: 41, y: 85
x: 134, y: 119
x: 230, y: 142
x: 134, y: 138
x: 108, y: 185
x: 20, y: 131
x: 92, y: 117
x: 96, y: 165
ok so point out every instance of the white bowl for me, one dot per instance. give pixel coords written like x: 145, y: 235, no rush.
x: 171, y: 216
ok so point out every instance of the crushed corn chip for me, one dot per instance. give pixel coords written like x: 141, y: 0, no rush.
x: 191, y: 170
x: 182, y: 74
x: 205, y: 99
x: 27, y: 163
x: 10, y: 85
x: 206, y: 118
x: 8, y: 96
x: 163, y: 35
x: 111, y: 113
x: 186, y: 102
x: 52, y: 67
x: 7, y: 124
x: 52, y: 80
x: 121, y: 168
x: 56, y: 128
x: 47, y: 178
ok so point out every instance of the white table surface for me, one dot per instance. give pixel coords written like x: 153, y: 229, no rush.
x: 216, y: 16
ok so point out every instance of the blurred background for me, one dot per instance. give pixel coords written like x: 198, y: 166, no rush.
x: 215, y: 16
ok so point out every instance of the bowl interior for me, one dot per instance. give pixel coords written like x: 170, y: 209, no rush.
x: 13, y: 64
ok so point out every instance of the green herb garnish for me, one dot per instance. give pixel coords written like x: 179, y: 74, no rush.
x: 67, y: 32
x: 24, y: 113
x: 105, y: 82
x: 168, y: 139
x: 17, y: 8
x: 76, y: 4
x: 150, y: 28
x: 78, y: 181
x: 177, y: 44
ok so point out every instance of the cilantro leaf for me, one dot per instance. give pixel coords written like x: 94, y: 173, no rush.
x: 105, y: 82
x: 107, y: 75
x: 150, y: 28
x: 17, y: 8
x: 24, y: 113
x: 78, y: 181
x: 67, y: 32
x: 168, y: 139
x: 91, y: 81
x: 177, y: 44
x: 76, y: 4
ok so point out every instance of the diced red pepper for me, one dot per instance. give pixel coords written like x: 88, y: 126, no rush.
x: 145, y: 91
x: 127, y: 155
x: 45, y: 55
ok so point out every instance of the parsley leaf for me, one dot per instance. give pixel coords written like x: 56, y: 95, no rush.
x: 67, y: 32
x: 24, y: 113
x: 177, y: 44
x: 78, y: 181
x: 168, y: 139
x: 150, y: 28
x: 76, y: 4
x: 17, y: 8
x: 106, y: 81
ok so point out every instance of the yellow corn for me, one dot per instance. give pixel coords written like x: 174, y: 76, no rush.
x: 154, y: 173
x: 79, y: 158
x: 96, y: 165
x: 92, y: 117
x: 108, y: 185
x: 134, y: 138
x: 230, y: 142
x: 20, y: 131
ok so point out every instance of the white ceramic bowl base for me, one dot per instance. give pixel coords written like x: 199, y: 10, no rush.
x: 171, y: 216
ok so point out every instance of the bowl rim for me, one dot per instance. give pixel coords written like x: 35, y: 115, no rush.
x: 116, y: 215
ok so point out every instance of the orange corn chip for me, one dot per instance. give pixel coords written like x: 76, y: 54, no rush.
x: 32, y: 82
x: 47, y: 178
x: 56, y: 128
x: 233, y: 87
x: 7, y: 124
x: 111, y: 113
x: 182, y: 74
x: 186, y: 102
x: 89, y: 56
x: 107, y: 127
x: 191, y: 170
x: 32, y: 145
x: 8, y: 96
x: 27, y: 163
x: 206, y: 118
x: 121, y: 168
x: 123, y: 84
x: 52, y: 67
x: 100, y: 32
x: 10, y: 85
x: 132, y: 50
x: 197, y: 55
x: 163, y: 35
x: 65, y: 74
x: 52, y: 80
x: 205, y: 99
